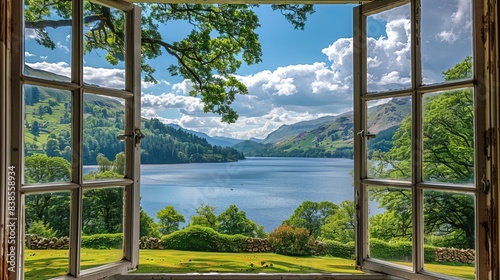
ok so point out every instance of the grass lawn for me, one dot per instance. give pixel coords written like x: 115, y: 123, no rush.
x: 44, y: 264
x: 171, y: 261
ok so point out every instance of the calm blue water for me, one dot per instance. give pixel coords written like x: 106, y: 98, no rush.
x: 267, y: 189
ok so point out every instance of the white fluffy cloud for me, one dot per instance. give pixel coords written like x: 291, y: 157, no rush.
x: 113, y: 78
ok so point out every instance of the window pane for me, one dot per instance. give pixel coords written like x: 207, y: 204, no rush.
x: 446, y: 38
x: 389, y: 50
x: 390, y: 224
x: 103, y: 122
x: 448, y: 136
x: 389, y: 152
x: 449, y: 226
x: 46, y: 254
x: 47, y: 39
x: 104, y: 46
x: 47, y: 134
x: 102, y: 228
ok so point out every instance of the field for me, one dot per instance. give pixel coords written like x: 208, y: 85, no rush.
x: 44, y: 264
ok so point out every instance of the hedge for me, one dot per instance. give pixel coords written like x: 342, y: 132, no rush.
x: 103, y: 241
x: 339, y: 249
x: 398, y: 251
x: 198, y: 238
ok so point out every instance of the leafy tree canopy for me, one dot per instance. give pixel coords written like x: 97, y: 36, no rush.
x: 206, y: 217
x: 169, y: 220
x: 234, y: 221
x: 311, y: 216
x: 222, y: 38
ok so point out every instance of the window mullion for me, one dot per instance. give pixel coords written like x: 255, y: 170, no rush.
x: 417, y: 144
x: 77, y: 138
x: 360, y: 194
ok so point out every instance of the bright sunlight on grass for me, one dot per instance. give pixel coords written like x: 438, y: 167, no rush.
x: 44, y: 264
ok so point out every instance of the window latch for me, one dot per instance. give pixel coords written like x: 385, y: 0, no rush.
x: 366, y: 135
x: 137, y: 135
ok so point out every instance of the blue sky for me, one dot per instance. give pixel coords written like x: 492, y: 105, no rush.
x: 304, y: 74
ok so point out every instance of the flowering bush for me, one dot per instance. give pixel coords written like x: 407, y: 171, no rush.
x: 288, y: 240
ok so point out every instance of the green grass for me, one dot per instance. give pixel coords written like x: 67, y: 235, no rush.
x: 44, y: 264
x: 171, y: 261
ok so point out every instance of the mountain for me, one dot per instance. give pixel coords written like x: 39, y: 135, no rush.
x: 295, y: 129
x: 215, y: 141
x: 333, y: 138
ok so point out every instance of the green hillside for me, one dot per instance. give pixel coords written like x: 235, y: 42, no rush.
x: 335, y: 138
x: 47, y: 120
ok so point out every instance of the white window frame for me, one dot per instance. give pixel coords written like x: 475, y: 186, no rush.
x: 416, y: 185
x: 131, y: 96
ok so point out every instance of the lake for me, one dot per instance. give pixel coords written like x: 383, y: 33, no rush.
x: 267, y: 189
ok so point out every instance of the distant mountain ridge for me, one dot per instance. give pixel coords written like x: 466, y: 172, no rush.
x: 330, y: 136
x: 286, y: 131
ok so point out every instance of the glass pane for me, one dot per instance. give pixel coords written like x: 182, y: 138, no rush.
x: 448, y: 136
x: 104, y: 46
x: 446, y: 39
x: 47, y: 39
x: 390, y: 224
x: 103, y: 153
x: 102, y: 228
x: 389, y: 138
x: 47, y: 134
x: 389, y: 50
x: 449, y: 225
x: 47, y: 216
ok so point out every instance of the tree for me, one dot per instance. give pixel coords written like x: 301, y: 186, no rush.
x: 104, y: 163
x: 103, y: 211
x: 52, y: 148
x: 206, y: 217
x: 43, y: 169
x: 39, y: 228
x: 311, y: 216
x: 234, y: 221
x: 448, y: 156
x: 35, y: 128
x: 169, y: 220
x: 222, y: 38
x: 148, y: 227
x: 340, y: 225
x: 119, y: 163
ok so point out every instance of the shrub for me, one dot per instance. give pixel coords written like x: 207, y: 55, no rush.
x: 39, y: 228
x: 288, y: 240
x: 338, y: 249
x: 103, y: 241
x: 198, y: 238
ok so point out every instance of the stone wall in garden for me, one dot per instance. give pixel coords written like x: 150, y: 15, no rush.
x: 39, y: 243
x: 455, y: 255
x: 256, y: 245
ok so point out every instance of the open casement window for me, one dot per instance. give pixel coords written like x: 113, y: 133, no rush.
x: 425, y: 189
x: 99, y: 35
